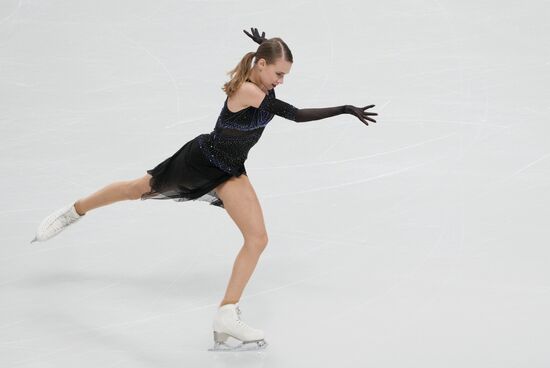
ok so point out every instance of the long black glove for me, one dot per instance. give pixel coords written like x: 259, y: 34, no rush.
x: 256, y: 35
x: 290, y: 112
x: 326, y: 112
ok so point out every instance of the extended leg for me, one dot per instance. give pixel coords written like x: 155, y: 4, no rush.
x: 59, y: 220
x: 114, y: 192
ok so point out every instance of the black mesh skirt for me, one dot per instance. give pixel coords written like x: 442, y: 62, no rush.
x: 187, y: 175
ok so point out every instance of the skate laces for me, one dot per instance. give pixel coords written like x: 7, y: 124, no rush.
x: 239, y: 321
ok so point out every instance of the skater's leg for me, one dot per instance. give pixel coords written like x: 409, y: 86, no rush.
x: 114, y: 192
x: 60, y: 219
x: 242, y: 204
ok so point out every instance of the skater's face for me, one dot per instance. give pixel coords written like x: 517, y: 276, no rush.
x: 271, y: 75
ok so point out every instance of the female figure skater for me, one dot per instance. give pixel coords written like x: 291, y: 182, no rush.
x: 210, y: 168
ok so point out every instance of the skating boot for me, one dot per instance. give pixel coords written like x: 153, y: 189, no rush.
x: 227, y: 323
x: 56, y: 222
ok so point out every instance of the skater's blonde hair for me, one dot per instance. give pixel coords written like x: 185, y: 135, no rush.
x: 270, y: 50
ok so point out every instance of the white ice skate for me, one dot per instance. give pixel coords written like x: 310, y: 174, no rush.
x: 56, y: 222
x: 227, y: 323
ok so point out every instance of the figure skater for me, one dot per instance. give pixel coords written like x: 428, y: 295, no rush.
x: 211, y: 168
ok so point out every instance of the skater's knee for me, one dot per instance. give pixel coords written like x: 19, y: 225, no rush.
x: 256, y: 242
x: 136, y: 188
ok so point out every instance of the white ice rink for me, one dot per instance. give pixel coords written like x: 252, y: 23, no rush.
x: 418, y: 241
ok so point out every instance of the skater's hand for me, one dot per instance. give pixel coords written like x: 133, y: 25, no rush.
x: 256, y: 35
x: 361, y: 113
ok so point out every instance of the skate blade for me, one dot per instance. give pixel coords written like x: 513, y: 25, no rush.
x: 245, y: 346
x: 34, y: 240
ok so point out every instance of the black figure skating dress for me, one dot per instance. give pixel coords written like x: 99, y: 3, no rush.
x: 197, y: 168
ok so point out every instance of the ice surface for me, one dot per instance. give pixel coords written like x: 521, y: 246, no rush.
x: 418, y: 241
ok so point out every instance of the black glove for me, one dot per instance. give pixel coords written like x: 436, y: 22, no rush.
x: 256, y: 35
x: 288, y: 111
x: 361, y: 113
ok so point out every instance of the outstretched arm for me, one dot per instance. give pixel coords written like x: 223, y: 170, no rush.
x: 303, y: 115
x: 252, y: 95
x: 290, y: 112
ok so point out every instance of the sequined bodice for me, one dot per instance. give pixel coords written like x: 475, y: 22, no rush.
x: 234, y: 134
x: 246, y: 119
